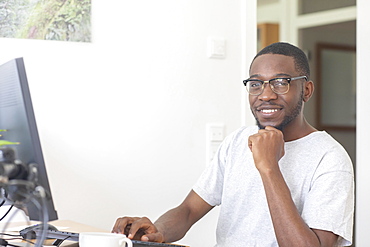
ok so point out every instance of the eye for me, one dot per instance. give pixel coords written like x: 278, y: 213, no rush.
x: 254, y: 84
x: 280, y: 82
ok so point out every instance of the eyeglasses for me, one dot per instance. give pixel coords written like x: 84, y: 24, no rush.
x: 277, y: 85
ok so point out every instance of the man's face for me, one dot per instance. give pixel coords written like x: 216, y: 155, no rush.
x: 269, y: 108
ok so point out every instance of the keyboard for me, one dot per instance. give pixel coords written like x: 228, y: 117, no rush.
x: 61, y: 236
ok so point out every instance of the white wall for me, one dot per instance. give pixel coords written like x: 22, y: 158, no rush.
x: 266, y: 11
x: 363, y: 123
x: 122, y: 119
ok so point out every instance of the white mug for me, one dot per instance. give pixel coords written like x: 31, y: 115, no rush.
x: 99, y: 239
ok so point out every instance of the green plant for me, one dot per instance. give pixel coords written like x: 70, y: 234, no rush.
x: 5, y: 142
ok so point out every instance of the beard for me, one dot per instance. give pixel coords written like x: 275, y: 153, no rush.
x: 288, y: 118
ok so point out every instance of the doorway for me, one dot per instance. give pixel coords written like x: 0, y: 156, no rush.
x: 336, y: 35
x: 306, y: 25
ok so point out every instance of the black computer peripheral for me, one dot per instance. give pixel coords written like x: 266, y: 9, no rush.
x: 60, y: 236
x: 31, y: 231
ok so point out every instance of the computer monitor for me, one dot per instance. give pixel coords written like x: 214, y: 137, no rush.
x: 18, y: 120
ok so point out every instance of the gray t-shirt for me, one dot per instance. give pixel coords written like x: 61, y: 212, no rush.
x: 317, y: 170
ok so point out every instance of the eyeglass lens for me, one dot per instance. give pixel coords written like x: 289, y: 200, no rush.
x: 279, y: 86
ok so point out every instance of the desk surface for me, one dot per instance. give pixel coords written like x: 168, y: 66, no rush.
x: 62, y: 225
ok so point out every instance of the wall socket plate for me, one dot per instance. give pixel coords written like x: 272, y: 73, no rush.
x: 215, y: 134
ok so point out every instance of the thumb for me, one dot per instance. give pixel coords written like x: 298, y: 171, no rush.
x: 250, y: 143
x: 153, y: 237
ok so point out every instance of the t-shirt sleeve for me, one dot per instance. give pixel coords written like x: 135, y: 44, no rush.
x: 210, y: 184
x: 330, y: 203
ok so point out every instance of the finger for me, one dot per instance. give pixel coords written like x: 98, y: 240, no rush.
x: 142, y: 226
x: 255, y: 138
x: 122, y: 224
x: 119, y: 222
x: 153, y: 237
x: 276, y: 131
x: 251, y: 141
x: 270, y: 128
x: 250, y: 144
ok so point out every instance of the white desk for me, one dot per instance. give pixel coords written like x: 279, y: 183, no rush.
x: 62, y: 225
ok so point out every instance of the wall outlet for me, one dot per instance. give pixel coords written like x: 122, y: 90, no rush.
x: 215, y: 136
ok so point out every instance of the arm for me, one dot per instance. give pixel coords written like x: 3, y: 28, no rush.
x: 175, y: 223
x: 290, y: 229
x: 170, y: 227
x: 268, y: 147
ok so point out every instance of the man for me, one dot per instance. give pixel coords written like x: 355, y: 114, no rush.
x: 283, y: 183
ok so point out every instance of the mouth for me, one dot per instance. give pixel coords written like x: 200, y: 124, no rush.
x: 268, y: 112
x: 268, y: 108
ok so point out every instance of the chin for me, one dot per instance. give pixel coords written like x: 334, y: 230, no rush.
x: 277, y: 126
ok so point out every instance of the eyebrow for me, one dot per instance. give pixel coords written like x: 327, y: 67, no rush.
x: 275, y: 76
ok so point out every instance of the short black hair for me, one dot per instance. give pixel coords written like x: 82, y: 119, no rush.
x: 281, y: 48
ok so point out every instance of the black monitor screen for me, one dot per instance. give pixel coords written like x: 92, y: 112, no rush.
x: 18, y: 120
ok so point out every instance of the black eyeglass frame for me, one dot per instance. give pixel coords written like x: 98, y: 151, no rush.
x: 245, y: 82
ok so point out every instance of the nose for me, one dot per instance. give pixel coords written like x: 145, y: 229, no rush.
x: 267, y: 93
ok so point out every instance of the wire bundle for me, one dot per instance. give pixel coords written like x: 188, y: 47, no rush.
x: 37, y: 196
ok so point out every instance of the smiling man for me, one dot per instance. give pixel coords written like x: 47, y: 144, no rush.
x: 280, y: 183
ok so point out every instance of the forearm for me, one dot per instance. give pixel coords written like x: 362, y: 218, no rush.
x: 290, y: 229
x: 173, y: 224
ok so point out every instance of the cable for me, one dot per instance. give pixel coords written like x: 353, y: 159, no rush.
x: 15, y: 237
x: 3, y: 242
x: 18, y: 236
x: 7, y: 212
x: 13, y: 245
x: 30, y: 192
x: 63, y: 240
x: 25, y: 194
x: 40, y: 193
x: 38, y: 197
x: 10, y: 235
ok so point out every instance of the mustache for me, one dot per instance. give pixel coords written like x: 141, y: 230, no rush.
x: 267, y: 104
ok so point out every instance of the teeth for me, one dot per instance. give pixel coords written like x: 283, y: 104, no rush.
x: 269, y: 110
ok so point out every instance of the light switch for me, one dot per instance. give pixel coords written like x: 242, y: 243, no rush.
x: 216, y: 47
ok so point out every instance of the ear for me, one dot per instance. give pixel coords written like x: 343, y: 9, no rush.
x: 308, y: 89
